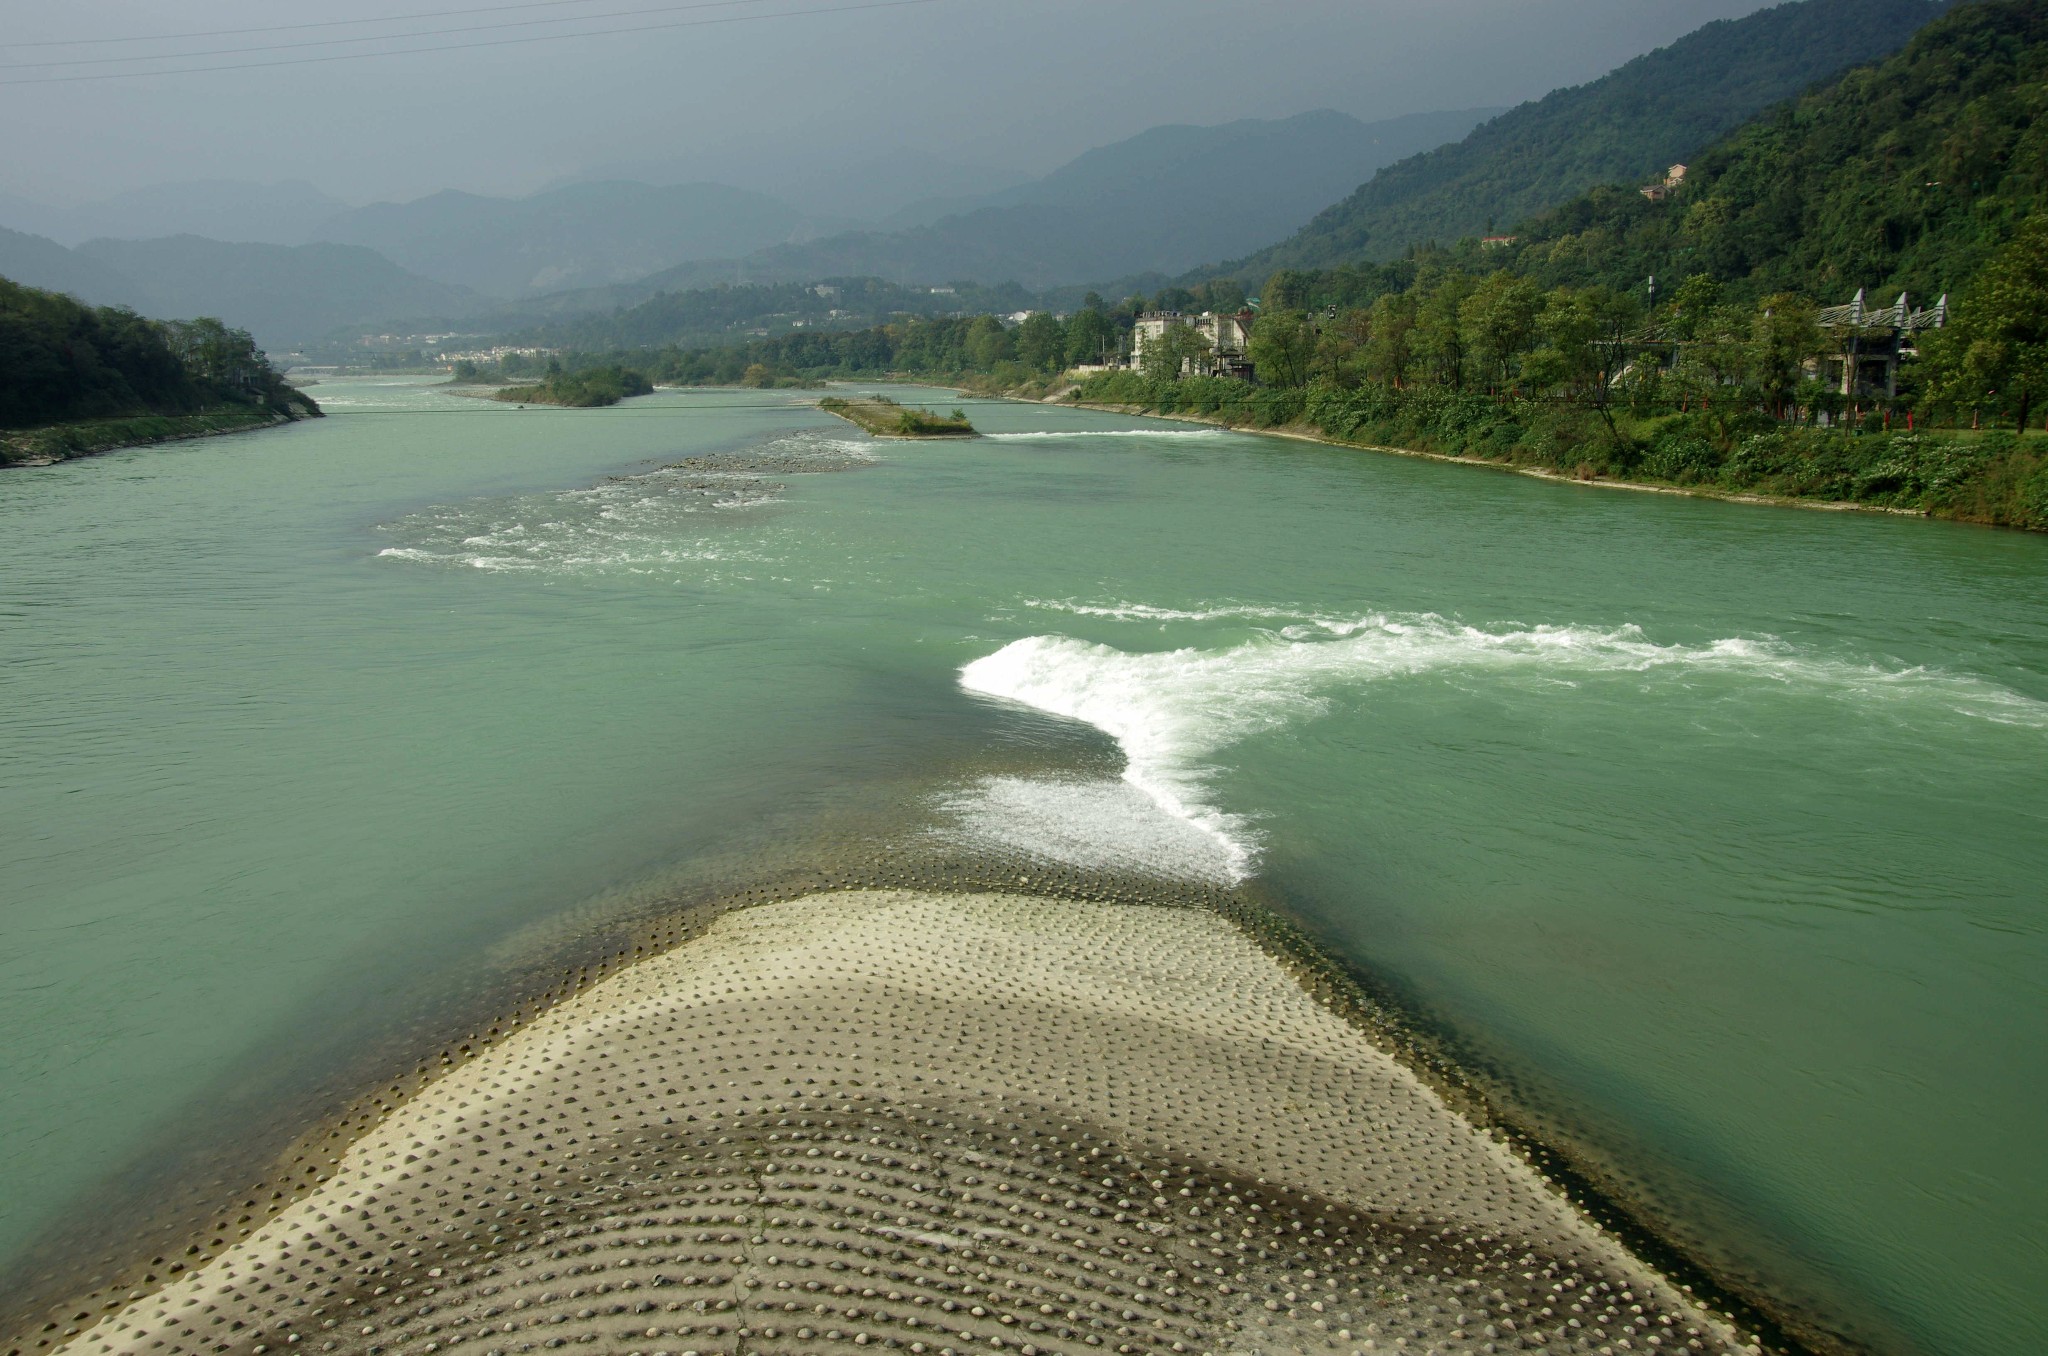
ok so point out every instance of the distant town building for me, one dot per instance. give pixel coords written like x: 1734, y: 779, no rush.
x: 1497, y: 242
x: 1674, y: 179
x: 1228, y: 336
x: 1870, y: 343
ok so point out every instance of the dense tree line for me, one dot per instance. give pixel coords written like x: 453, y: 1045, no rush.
x: 712, y: 315
x: 62, y: 361
x: 583, y: 388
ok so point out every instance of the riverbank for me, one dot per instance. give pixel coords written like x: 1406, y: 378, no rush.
x: 62, y: 442
x: 1307, y: 435
x: 935, y: 1122
x: 1997, y: 478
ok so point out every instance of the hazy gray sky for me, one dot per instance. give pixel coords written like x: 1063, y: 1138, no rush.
x: 1021, y: 85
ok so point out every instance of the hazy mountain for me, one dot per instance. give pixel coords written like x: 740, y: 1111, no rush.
x: 37, y: 261
x: 578, y: 235
x: 1629, y: 125
x: 283, y: 294
x: 825, y: 185
x: 223, y: 209
x: 1161, y: 201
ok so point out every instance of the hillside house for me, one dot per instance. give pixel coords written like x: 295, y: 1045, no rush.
x: 1870, y: 344
x: 1674, y: 179
x: 1228, y: 336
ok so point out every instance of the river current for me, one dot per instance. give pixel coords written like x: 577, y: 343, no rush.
x: 1714, y: 834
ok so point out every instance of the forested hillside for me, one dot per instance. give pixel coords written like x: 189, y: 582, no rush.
x: 1627, y: 127
x: 62, y: 362
x: 1903, y: 176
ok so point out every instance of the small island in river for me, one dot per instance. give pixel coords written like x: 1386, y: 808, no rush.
x: 589, y: 389
x: 885, y: 418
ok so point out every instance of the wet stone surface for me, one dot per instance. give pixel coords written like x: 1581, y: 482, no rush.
x: 931, y: 1123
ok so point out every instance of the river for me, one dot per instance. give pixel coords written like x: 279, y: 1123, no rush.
x: 1715, y: 833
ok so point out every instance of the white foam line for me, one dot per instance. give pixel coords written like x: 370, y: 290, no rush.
x: 1147, y: 612
x: 1172, y: 711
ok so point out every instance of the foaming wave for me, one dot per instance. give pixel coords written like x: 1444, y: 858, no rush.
x: 1147, y: 612
x: 645, y: 523
x: 1172, y: 712
x: 1097, y: 825
x: 1052, y: 435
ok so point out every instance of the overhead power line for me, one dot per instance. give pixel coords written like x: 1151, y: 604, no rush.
x: 294, y: 28
x: 467, y: 46
x: 379, y: 37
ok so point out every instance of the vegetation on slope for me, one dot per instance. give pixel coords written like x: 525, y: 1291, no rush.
x: 1906, y: 175
x: 1627, y: 127
x: 109, y: 377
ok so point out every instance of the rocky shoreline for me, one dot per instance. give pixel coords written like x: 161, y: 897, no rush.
x: 65, y: 442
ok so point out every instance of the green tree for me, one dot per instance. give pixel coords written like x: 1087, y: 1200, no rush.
x: 1697, y: 297
x: 1499, y: 321
x: 1282, y: 348
x: 1177, y: 345
x: 1439, y: 338
x: 1389, y: 346
x: 1715, y: 367
x: 1784, y: 335
x: 1590, y: 337
x: 1291, y: 289
x: 1091, y: 336
x: 988, y: 343
x: 1042, y: 342
x: 1995, y: 349
x: 1340, y: 348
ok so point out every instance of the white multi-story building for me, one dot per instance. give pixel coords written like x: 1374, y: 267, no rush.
x: 1228, y: 336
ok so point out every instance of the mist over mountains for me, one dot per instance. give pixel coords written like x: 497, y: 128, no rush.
x: 581, y: 235
x: 288, y: 213
x: 1159, y: 202
x: 295, y: 266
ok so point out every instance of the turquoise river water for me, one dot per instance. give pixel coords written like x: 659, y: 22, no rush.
x: 1715, y: 832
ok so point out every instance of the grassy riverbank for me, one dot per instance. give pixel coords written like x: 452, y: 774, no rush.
x: 1994, y: 477
x: 886, y: 418
x: 61, y: 442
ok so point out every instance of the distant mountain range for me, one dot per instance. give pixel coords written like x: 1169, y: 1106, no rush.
x: 1163, y: 203
x: 220, y: 209
x: 285, y: 295
x: 1159, y: 202
x: 1628, y: 126
x: 578, y: 235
